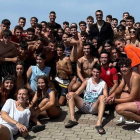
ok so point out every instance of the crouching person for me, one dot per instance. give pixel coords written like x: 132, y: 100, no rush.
x: 95, y: 92
x: 128, y: 101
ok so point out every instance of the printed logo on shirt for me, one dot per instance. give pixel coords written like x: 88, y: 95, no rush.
x: 108, y: 72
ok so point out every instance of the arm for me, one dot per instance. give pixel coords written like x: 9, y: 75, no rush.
x: 29, y: 73
x: 79, y: 70
x: 105, y: 90
x: 118, y: 89
x: 100, y: 50
x: 115, y: 85
x: 81, y: 88
x: 72, y: 42
x: 50, y: 103
x: 15, y: 59
x: 34, y: 100
x: 134, y: 92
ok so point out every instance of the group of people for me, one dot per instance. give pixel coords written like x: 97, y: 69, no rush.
x: 47, y: 66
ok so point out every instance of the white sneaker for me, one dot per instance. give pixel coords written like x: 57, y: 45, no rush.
x: 137, y: 130
x: 121, y: 120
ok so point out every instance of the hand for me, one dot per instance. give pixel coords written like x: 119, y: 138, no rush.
x: 68, y: 97
x: 21, y: 128
x: 110, y: 65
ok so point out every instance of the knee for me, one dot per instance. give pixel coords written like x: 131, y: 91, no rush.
x: 101, y: 97
x: 71, y: 94
x: 75, y: 86
x: 119, y: 109
x: 45, y: 100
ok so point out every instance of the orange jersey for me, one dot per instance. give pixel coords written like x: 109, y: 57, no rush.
x: 133, y: 53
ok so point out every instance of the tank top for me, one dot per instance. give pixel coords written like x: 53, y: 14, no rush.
x: 93, y: 91
x: 36, y: 72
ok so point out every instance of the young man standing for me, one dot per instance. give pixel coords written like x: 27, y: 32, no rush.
x: 95, y: 91
x: 5, y: 25
x: 64, y: 70
x: 90, y: 21
x: 52, y: 18
x: 131, y: 51
x: 109, y: 75
x: 100, y: 29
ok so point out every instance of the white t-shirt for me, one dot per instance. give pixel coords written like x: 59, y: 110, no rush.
x: 93, y: 91
x: 19, y: 116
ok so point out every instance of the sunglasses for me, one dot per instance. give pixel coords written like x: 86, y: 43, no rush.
x: 99, y: 15
x: 132, y: 31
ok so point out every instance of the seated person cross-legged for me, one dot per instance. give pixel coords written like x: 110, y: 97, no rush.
x: 44, y: 103
x: 96, y: 92
x: 128, y: 103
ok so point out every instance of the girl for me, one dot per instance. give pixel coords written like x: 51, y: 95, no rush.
x: 15, y: 116
x: 35, y: 71
x: 21, y: 78
x: 7, y: 89
x: 45, y: 102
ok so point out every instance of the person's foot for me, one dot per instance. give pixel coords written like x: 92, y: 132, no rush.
x: 100, y: 129
x: 38, y: 128
x: 71, y: 124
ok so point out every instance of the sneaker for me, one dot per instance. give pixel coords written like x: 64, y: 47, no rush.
x: 137, y: 130
x: 121, y: 120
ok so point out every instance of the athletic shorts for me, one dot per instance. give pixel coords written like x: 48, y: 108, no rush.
x: 138, y: 106
x: 61, y: 88
x: 87, y: 108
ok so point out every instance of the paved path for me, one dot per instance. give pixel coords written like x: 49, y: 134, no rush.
x: 85, y: 129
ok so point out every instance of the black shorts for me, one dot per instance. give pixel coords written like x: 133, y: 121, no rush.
x: 61, y: 89
x: 74, y: 69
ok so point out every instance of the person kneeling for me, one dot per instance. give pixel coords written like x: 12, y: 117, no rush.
x: 95, y: 92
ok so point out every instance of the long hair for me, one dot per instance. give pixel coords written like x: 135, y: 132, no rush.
x: 24, y: 71
x: 49, y: 85
x: 4, y: 92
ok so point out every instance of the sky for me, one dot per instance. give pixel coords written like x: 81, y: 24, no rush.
x: 66, y: 10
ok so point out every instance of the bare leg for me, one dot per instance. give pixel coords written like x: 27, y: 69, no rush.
x: 76, y: 86
x: 75, y: 100
x: 73, y: 81
x: 100, y: 106
x: 62, y: 100
x: 4, y: 133
x: 53, y: 112
x: 128, y: 110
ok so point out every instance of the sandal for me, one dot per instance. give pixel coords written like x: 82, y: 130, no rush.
x: 138, y: 130
x: 100, y: 129
x: 38, y: 128
x: 70, y: 124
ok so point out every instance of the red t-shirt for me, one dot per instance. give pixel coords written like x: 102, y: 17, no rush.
x: 109, y: 75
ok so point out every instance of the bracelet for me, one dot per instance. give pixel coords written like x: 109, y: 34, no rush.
x: 16, y: 123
